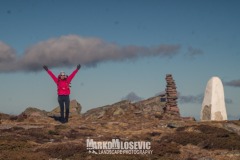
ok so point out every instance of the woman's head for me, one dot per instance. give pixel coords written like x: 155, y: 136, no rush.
x: 62, y: 75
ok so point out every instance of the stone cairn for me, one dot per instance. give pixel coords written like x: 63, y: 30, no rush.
x: 171, y: 96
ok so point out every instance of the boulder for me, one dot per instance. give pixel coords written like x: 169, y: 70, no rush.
x: 4, y: 116
x: 34, y: 112
x: 33, y: 115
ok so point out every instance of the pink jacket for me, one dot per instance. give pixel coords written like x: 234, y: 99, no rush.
x: 63, y: 85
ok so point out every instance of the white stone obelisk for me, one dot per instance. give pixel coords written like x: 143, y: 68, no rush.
x: 213, y: 106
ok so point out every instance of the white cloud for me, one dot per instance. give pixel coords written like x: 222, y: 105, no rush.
x: 8, y: 58
x: 71, y: 50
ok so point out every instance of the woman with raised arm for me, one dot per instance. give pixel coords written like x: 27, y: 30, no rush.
x: 63, y: 88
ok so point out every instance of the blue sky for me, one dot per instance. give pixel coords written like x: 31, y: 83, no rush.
x: 125, y: 47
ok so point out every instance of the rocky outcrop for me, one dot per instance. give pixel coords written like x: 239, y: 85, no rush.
x: 109, y: 111
x: 4, y: 116
x: 35, y: 115
x: 147, y: 109
x: 162, y: 107
x: 34, y: 112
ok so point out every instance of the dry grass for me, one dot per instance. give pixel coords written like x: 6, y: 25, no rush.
x: 67, y: 141
x: 206, y: 137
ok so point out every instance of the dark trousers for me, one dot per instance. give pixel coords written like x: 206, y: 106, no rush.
x: 64, y: 102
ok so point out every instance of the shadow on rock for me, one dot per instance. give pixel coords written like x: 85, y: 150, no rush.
x: 56, y: 118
